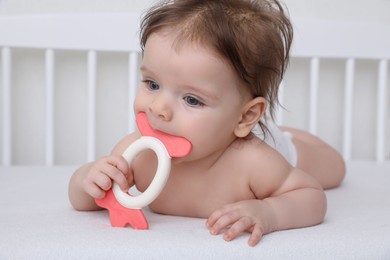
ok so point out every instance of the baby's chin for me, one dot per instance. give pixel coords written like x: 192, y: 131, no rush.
x: 176, y: 161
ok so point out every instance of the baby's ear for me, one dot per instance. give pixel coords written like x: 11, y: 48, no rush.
x: 250, y: 116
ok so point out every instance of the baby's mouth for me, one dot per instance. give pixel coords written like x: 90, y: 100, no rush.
x: 176, y: 146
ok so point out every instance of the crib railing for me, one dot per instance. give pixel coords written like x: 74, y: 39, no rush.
x: 348, y: 44
x: 86, y: 33
x: 337, y: 86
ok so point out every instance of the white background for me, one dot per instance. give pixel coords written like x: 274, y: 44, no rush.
x: 343, y: 10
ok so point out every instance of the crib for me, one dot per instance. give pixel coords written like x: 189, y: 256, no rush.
x: 67, y: 86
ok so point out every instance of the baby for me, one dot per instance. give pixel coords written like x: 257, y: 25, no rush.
x: 210, y: 73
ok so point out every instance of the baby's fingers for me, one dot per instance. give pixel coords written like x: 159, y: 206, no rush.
x: 256, y: 236
x: 216, y: 215
x: 120, y: 163
x: 220, y: 220
x: 114, y: 174
x: 103, y: 181
x: 95, y: 191
x: 240, y: 226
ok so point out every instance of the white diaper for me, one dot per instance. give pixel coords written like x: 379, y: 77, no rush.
x: 280, y: 141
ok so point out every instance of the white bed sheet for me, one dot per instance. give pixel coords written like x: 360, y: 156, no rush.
x: 37, y: 222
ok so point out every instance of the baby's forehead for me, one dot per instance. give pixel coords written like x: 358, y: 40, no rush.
x: 182, y: 41
x: 196, y: 45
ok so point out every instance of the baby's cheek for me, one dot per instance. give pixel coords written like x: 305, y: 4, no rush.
x: 140, y: 101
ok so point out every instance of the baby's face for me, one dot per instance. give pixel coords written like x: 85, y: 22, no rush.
x: 189, y: 91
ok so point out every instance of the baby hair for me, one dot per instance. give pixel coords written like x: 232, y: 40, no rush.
x: 253, y: 36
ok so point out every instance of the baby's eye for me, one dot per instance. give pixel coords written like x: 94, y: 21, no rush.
x: 152, y: 85
x: 192, y: 101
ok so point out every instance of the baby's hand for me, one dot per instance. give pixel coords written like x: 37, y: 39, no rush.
x: 250, y: 215
x: 103, y: 172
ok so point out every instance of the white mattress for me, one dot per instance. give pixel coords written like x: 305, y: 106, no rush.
x: 37, y: 222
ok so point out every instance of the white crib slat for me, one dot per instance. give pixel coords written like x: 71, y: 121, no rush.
x: 91, y: 113
x: 133, y: 71
x: 7, y: 114
x: 314, y: 75
x: 381, y: 108
x: 49, y: 80
x: 348, y: 107
x: 279, y: 115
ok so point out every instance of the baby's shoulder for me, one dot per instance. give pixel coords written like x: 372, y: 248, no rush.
x: 265, y: 168
x: 251, y: 148
x: 256, y: 155
x: 122, y: 145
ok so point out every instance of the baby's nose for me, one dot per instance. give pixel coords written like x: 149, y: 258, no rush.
x: 161, y: 107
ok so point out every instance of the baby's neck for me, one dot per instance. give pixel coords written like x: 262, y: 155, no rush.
x: 202, y: 164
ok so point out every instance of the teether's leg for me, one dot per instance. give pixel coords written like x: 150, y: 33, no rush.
x: 121, y: 216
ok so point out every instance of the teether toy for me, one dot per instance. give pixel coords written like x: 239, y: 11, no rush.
x: 126, y: 209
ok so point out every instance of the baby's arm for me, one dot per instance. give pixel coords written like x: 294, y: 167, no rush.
x: 299, y: 202
x: 92, y: 180
x: 296, y: 201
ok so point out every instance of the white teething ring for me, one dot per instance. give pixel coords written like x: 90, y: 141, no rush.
x: 160, y: 179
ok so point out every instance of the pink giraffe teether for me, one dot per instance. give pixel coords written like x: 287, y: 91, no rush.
x: 124, y: 209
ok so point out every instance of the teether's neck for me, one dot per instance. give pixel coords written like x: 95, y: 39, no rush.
x: 176, y: 146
